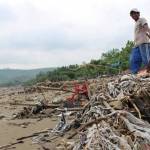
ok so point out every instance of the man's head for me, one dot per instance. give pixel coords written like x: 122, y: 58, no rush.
x: 135, y: 14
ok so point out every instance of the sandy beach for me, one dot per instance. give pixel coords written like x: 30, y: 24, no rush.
x: 10, y: 129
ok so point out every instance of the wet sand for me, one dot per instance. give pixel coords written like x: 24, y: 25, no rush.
x: 10, y: 129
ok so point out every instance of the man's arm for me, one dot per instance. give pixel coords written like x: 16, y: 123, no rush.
x: 146, y: 29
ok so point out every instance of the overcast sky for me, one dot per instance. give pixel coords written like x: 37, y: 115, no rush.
x: 50, y: 33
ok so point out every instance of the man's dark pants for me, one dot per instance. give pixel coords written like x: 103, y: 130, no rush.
x: 139, y: 55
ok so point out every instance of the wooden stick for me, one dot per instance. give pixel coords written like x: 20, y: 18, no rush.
x: 43, y: 95
x: 136, y: 126
x: 11, y: 144
x: 84, y: 126
x: 54, y: 89
x: 138, y: 111
x: 94, y: 121
x: 32, y: 135
x: 69, y: 109
x: 47, y: 106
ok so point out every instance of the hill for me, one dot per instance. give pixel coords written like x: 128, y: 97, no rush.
x: 18, y: 76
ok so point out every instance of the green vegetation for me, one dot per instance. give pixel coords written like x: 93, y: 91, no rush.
x: 111, y: 62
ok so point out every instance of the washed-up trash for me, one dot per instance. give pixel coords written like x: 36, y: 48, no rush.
x: 83, y: 138
x: 116, y: 117
x: 29, y: 111
x: 40, y: 105
x: 57, y: 100
x: 62, y: 126
x: 38, y: 139
x: 109, y: 129
x: 124, y: 85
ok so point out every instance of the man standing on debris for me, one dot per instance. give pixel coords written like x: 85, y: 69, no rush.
x: 141, y: 52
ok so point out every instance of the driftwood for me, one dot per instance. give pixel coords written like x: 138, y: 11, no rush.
x: 32, y: 135
x: 11, y: 144
x: 53, y: 89
x: 69, y: 109
x: 136, y: 108
x: 84, y: 126
x: 94, y: 121
x: 20, y: 140
x: 46, y: 106
x: 136, y: 126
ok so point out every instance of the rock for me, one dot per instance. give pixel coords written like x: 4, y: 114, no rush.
x: 57, y: 100
x: 127, y: 77
x: 2, y: 116
x: 116, y: 104
x: 23, y: 126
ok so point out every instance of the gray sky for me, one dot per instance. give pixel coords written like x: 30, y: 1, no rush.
x: 50, y: 33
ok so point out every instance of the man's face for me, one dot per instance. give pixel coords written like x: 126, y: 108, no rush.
x: 135, y: 15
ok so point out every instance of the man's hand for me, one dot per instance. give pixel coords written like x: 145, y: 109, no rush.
x: 148, y: 34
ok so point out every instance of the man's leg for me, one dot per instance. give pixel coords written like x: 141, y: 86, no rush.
x: 145, y: 53
x: 135, y: 60
x: 148, y: 56
x: 148, y: 51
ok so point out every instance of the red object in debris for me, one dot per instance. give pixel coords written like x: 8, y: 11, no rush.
x: 64, y: 86
x: 84, y: 88
x: 79, y: 89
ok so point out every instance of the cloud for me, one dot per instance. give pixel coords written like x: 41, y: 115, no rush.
x: 28, y: 58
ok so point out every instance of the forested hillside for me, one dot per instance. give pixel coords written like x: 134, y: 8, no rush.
x: 17, y: 76
x: 111, y: 62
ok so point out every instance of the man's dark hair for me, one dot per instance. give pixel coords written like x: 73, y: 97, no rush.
x: 133, y: 12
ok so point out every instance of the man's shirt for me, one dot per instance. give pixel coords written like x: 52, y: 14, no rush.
x: 140, y: 36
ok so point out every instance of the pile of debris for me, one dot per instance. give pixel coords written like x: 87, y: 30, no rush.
x: 116, y: 116
x: 77, y: 97
x: 31, y: 110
